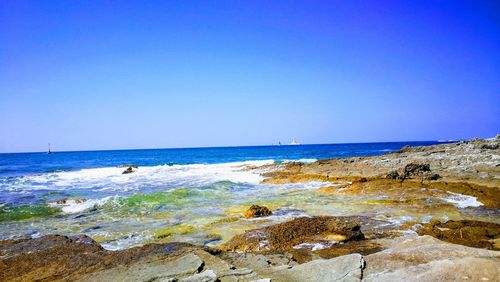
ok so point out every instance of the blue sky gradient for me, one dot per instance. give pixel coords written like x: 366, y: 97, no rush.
x: 154, y: 74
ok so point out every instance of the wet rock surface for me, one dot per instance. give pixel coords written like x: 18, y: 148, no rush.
x: 470, y: 233
x: 129, y: 169
x: 257, y: 211
x: 305, y: 230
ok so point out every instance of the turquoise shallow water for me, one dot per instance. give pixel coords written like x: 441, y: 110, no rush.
x: 193, y: 195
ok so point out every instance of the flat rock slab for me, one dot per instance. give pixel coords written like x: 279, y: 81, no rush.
x: 186, y: 265
x: 426, y: 258
x: 206, y: 276
x: 345, y: 268
x: 466, y: 269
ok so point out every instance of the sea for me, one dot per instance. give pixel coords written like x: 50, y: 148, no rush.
x: 195, y: 195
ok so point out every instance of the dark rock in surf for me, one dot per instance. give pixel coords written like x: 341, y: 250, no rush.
x: 128, y: 170
x: 257, y: 211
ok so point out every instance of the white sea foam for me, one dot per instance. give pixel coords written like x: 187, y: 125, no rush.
x: 132, y: 240
x: 306, y: 161
x: 316, y: 246
x: 76, y: 205
x: 462, y: 201
x: 112, y: 179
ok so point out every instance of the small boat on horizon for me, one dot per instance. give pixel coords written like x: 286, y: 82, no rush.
x: 294, y: 142
x: 49, y: 152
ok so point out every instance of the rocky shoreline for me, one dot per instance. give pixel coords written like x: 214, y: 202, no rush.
x: 315, y: 248
x: 410, y: 258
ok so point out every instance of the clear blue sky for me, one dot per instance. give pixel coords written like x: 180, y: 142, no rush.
x: 123, y: 74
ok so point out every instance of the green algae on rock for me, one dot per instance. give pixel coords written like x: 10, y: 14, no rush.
x: 8, y: 212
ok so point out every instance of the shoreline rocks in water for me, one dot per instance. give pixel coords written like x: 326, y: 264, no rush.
x: 318, y: 248
x: 130, y: 169
x: 257, y: 211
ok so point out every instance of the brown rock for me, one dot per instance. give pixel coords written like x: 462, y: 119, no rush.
x: 414, y: 169
x: 472, y: 233
x: 56, y: 258
x: 257, y: 211
x: 284, y: 236
x: 392, y: 175
x: 433, y: 176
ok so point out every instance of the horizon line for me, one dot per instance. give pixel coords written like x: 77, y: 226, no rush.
x: 231, y: 146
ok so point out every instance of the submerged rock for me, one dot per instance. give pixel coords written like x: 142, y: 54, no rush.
x: 67, y: 201
x: 257, y: 211
x: 472, y: 233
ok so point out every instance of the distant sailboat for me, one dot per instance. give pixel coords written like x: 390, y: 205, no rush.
x: 294, y: 142
x: 49, y: 152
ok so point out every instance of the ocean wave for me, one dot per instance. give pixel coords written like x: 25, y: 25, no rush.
x: 111, y: 178
x: 70, y: 206
x: 131, y: 240
x: 305, y: 161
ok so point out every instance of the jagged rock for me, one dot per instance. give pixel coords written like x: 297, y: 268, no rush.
x: 344, y: 268
x: 206, y: 276
x: 257, y: 211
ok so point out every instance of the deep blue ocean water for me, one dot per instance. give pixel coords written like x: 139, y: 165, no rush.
x: 19, y: 164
